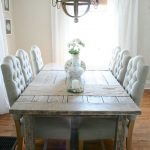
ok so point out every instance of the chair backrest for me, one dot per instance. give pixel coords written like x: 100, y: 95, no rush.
x: 25, y: 64
x: 36, y: 59
x: 113, y: 59
x: 121, y: 65
x: 13, y: 78
x: 135, y: 78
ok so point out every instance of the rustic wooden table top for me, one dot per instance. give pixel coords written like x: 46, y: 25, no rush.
x: 48, y: 95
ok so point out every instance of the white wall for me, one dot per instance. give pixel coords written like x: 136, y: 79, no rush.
x: 32, y: 25
x: 10, y: 37
x: 144, y: 32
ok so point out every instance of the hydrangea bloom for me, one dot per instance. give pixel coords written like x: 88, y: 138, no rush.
x: 75, y: 46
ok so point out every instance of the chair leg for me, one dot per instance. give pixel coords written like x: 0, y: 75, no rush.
x: 19, y: 136
x: 20, y: 143
x: 45, y: 144
x: 67, y: 144
x: 102, y: 144
x: 129, y: 138
x: 81, y: 145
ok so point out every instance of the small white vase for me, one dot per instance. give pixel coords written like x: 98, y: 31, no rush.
x: 75, y: 60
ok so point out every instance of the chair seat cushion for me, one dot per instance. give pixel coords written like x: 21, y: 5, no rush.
x: 51, y: 127
x: 94, y: 129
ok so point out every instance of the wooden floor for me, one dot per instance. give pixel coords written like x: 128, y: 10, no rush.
x: 141, y: 133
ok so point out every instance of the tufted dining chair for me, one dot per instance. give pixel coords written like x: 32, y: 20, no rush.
x: 36, y: 59
x: 44, y: 127
x: 134, y: 81
x: 113, y: 59
x: 121, y: 65
x: 25, y: 65
x: 15, y: 85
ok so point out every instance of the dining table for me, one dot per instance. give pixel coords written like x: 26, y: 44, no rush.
x: 47, y: 95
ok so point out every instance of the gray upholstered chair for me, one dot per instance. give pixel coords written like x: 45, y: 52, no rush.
x: 45, y: 127
x: 15, y: 85
x: 134, y: 81
x: 113, y: 59
x: 121, y: 65
x: 25, y: 65
x: 36, y: 59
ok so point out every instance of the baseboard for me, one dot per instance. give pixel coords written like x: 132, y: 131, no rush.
x: 147, y: 85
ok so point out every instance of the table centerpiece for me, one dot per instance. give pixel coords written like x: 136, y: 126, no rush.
x: 75, y: 71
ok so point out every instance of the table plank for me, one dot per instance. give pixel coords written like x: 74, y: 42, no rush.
x: 110, y: 79
x: 89, y: 77
x: 59, y: 67
x: 61, y: 90
x: 49, y: 78
x: 55, y: 83
x: 77, y: 99
x: 53, y: 66
x: 95, y: 99
x: 94, y: 78
x: 110, y: 99
x: 81, y: 107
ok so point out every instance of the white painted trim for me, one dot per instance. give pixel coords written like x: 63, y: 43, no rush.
x: 147, y: 85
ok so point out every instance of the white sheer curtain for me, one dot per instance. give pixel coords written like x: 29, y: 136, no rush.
x: 126, y: 12
x: 59, y: 34
x: 4, y: 106
x: 95, y: 29
x: 100, y: 29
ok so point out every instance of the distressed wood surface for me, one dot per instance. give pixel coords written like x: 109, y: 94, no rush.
x: 29, y: 130
x: 55, y: 66
x: 102, y: 95
x: 55, y: 83
x: 74, y: 105
x: 120, y: 131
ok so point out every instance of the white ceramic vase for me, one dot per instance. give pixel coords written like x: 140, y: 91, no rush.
x: 75, y: 60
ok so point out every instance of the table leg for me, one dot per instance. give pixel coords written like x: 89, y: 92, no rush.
x: 74, y: 142
x: 120, y: 133
x: 29, y: 132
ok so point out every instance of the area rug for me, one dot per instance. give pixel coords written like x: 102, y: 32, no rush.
x: 7, y: 143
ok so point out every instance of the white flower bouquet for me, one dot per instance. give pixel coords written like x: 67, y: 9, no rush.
x: 75, y: 46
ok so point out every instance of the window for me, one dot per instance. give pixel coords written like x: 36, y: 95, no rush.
x: 96, y: 30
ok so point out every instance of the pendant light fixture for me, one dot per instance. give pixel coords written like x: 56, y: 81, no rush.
x: 74, y: 8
